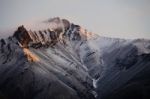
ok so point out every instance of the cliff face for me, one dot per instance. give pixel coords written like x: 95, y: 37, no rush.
x: 22, y: 36
x: 65, y: 61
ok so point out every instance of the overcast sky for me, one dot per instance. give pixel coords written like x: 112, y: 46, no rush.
x: 115, y: 18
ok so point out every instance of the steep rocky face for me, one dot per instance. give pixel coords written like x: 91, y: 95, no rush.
x: 67, y: 62
x: 22, y: 36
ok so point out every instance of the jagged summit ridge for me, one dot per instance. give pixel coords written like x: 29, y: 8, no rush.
x: 59, y: 30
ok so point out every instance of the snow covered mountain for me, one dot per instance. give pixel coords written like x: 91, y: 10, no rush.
x: 67, y: 62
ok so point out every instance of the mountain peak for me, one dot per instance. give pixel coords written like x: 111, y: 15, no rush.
x: 59, y: 30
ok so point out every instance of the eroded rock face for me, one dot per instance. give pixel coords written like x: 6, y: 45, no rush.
x: 22, y: 36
